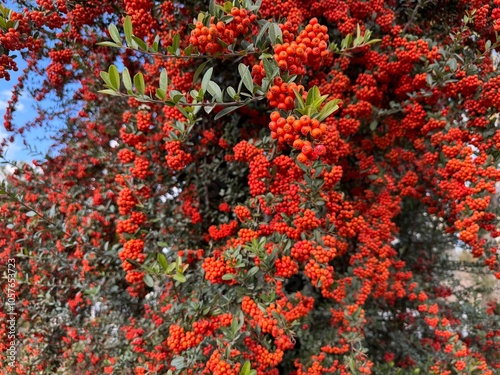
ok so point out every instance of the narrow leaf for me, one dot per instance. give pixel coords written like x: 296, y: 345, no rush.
x: 105, y: 78
x: 108, y: 44
x: 179, y: 277
x: 199, y: 71
x: 163, y: 80
x: 140, y: 86
x: 328, y: 109
x: 115, y: 35
x: 162, y: 260
x: 215, y: 91
x: 127, y: 28
x: 127, y: 81
x: 109, y: 92
x: 227, y: 110
x: 114, y: 77
x: 139, y: 43
x: 148, y: 280
x: 206, y: 79
x: 246, y: 77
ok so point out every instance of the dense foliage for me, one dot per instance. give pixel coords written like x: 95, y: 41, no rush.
x: 268, y: 188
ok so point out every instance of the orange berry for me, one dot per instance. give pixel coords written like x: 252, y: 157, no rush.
x: 297, y: 125
x: 316, y: 133
x: 298, y: 144
x: 305, y: 130
x: 275, y: 116
x: 302, y: 158
x: 307, y: 149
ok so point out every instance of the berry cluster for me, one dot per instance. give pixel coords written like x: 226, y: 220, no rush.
x: 282, y: 95
x: 214, y: 37
x: 293, y: 131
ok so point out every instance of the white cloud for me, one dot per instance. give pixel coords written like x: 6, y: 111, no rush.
x: 12, y: 149
x: 5, y: 96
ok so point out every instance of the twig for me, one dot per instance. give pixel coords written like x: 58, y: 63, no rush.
x: 195, y: 56
x: 412, y: 17
x: 202, y: 104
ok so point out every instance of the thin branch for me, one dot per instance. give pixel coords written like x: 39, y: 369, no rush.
x: 202, y: 104
x: 41, y: 215
x: 412, y: 17
x: 195, y: 56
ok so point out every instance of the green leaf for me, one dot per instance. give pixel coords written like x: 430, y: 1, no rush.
x: 215, y: 91
x: 262, y: 32
x: 156, y: 44
x: 139, y: 43
x: 199, y: 70
x: 211, y: 8
x: 178, y: 363
x: 176, y: 96
x: 163, y: 80
x: 163, y: 244
x: 127, y: 81
x: 105, y: 78
x: 179, y: 277
x: 114, y: 77
x: 231, y: 92
x: 162, y: 260
x: 246, y: 77
x: 108, y: 44
x: 171, y: 267
x: 127, y: 28
x: 227, y: 110
x: 209, y: 108
x: 206, y: 79
x: 160, y: 94
x: 140, y: 86
x: 31, y: 213
x: 452, y: 63
x: 328, y: 109
x: 228, y: 276
x: 115, y: 34
x: 176, y: 42
x: 300, y: 101
x: 312, y: 95
x: 359, y: 38
x: 109, y: 92
x: 228, y: 5
x: 275, y: 34
x: 245, y: 370
x: 148, y: 280
x: 252, y: 271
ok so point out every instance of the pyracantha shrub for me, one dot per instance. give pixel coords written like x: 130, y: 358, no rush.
x: 253, y: 188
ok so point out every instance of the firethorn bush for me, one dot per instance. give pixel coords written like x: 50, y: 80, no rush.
x: 259, y: 188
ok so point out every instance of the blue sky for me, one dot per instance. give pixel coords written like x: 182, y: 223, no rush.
x: 25, y: 112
